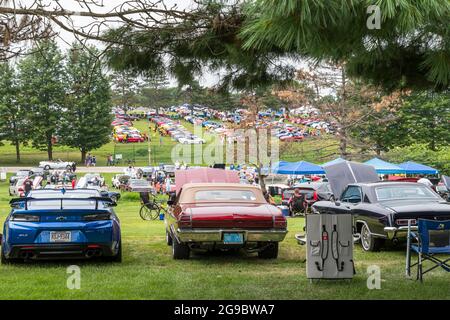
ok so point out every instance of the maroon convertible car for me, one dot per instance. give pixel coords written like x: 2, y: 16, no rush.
x: 211, y: 211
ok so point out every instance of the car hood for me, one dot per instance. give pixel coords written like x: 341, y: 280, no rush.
x: 346, y: 172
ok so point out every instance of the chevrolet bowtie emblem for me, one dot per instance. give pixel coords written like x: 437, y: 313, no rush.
x: 62, y: 218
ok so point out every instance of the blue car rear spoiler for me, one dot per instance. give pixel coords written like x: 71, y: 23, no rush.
x: 105, y: 200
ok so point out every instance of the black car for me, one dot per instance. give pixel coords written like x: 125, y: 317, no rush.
x: 381, y: 210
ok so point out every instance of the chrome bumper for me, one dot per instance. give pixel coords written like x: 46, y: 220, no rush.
x: 398, y: 232
x: 216, y: 235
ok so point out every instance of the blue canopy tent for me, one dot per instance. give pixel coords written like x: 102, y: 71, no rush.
x: 301, y: 167
x: 384, y: 167
x: 329, y: 163
x: 411, y: 167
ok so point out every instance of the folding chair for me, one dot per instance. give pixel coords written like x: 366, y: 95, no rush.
x: 431, y: 240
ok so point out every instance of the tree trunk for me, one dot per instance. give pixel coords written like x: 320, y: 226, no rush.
x: 83, y: 156
x: 17, y: 143
x: 342, y: 143
x: 50, y: 149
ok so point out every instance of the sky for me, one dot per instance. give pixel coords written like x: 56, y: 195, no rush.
x: 65, y: 38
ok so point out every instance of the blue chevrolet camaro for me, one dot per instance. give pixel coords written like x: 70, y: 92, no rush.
x: 58, y: 224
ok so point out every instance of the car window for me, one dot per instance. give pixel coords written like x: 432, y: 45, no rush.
x: 404, y: 192
x: 352, y: 194
x: 224, y: 195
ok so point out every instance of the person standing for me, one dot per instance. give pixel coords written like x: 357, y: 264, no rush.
x: 425, y: 181
x: 94, y: 161
x: 27, y: 186
x: 74, y: 166
x: 168, y: 185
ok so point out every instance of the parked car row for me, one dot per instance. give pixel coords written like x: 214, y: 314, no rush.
x: 177, y: 131
x: 127, y: 134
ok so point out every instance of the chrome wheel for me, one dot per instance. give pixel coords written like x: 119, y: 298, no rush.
x: 366, y: 238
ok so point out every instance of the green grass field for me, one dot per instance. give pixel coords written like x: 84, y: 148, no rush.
x: 149, y: 272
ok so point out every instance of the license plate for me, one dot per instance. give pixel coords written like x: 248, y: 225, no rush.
x: 60, y: 236
x: 233, y: 238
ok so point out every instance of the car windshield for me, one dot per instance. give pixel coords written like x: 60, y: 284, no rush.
x: 403, y: 192
x: 225, y: 195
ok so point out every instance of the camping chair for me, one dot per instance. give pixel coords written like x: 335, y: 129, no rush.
x: 431, y: 239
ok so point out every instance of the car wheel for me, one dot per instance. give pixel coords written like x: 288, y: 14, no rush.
x: 368, y: 241
x: 118, y: 256
x: 169, y: 239
x: 4, y: 260
x: 47, y: 167
x: 180, y: 250
x: 68, y: 167
x: 270, y: 252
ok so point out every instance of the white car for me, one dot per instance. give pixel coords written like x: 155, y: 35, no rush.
x: 58, y: 164
x: 191, y: 140
x: 17, y: 189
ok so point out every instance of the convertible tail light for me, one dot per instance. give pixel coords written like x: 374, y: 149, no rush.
x: 97, y: 217
x: 25, y: 218
x: 404, y: 222
x: 279, y: 222
x: 185, y: 221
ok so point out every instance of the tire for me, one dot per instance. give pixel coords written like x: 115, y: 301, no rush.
x: 4, y: 260
x: 47, y: 167
x: 118, y: 257
x: 180, y: 251
x: 270, y: 252
x: 169, y: 239
x: 68, y: 167
x: 368, y: 242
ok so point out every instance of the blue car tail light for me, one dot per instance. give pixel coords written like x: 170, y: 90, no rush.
x: 25, y: 217
x: 97, y: 217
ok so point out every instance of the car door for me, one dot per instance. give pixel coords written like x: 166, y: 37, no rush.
x: 351, y: 199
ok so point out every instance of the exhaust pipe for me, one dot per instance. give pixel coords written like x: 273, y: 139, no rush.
x: 26, y: 255
x: 89, y: 253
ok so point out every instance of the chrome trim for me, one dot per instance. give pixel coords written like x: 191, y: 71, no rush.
x: 374, y: 234
x: 393, y: 232
x: 216, y: 235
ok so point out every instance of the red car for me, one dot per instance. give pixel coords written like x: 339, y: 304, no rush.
x: 215, y: 213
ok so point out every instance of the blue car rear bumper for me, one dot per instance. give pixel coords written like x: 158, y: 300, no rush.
x: 61, y: 251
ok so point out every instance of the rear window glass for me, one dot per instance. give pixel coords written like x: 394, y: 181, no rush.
x: 225, y: 195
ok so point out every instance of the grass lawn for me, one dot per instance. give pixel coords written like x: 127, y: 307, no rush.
x: 148, y: 271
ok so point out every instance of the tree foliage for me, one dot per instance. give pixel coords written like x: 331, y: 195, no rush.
x: 42, y: 86
x: 410, y: 49
x: 86, y: 123
x: 13, y: 123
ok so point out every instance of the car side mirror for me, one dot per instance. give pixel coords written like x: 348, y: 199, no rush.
x: 337, y: 203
